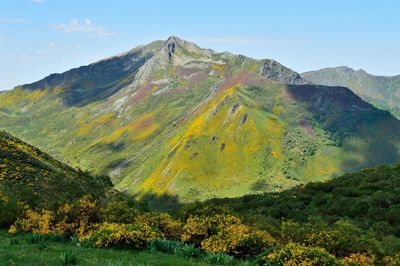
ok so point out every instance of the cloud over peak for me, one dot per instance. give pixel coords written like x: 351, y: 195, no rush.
x: 86, y: 27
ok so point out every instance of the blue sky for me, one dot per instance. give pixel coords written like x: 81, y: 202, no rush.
x: 39, y: 37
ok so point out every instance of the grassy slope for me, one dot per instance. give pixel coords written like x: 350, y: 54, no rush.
x: 39, y: 179
x: 15, y: 251
x: 186, y: 136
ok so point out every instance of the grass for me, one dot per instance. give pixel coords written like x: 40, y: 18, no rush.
x: 20, y: 250
x: 15, y: 250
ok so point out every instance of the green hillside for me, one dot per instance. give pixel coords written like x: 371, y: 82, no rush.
x: 170, y: 117
x: 34, y: 178
x: 381, y: 91
x: 370, y: 198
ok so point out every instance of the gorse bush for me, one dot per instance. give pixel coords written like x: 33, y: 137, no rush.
x: 161, y: 222
x: 355, y: 259
x: 293, y: 254
x: 121, y: 235
x: 225, y: 233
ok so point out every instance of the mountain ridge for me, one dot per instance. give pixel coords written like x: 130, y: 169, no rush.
x: 382, y: 91
x: 199, y: 124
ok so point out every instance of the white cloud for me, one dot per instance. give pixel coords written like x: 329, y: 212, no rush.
x: 232, y: 40
x: 36, y: 1
x: 13, y: 20
x: 86, y: 26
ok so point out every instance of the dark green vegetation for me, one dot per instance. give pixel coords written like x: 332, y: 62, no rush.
x: 170, y: 117
x: 381, y: 91
x: 369, y: 200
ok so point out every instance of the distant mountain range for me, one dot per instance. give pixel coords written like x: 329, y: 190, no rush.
x: 171, y: 117
x: 381, y: 91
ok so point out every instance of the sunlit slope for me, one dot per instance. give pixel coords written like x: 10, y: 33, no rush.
x: 175, y: 118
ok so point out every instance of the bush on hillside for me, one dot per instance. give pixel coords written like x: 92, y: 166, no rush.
x: 226, y: 233
x: 293, y: 254
x: 162, y: 223
x: 121, y: 235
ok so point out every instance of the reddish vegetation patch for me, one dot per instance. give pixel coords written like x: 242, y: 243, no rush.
x: 242, y: 77
x: 186, y: 71
x: 287, y: 97
x: 307, y: 127
x: 143, y: 92
x: 196, y: 78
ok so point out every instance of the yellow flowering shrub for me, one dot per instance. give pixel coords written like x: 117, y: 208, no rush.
x: 34, y: 222
x: 161, y: 222
x: 225, y: 233
x: 294, y: 254
x: 357, y: 259
x: 126, y: 235
x: 391, y: 260
x: 198, y: 228
x: 78, y: 218
x: 239, y: 240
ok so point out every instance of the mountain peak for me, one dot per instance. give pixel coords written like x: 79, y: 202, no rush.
x: 171, y: 43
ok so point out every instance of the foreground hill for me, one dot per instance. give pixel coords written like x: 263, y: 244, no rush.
x: 38, y: 179
x: 381, y: 91
x: 370, y: 198
x: 170, y: 117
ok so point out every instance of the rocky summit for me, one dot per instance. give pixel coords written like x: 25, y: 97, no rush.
x: 171, y: 117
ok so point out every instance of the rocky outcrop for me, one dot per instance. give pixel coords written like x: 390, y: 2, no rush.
x: 275, y: 71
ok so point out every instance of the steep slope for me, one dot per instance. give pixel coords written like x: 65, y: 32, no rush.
x: 199, y: 124
x: 38, y: 179
x: 381, y: 91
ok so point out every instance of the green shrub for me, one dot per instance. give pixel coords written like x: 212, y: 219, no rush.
x: 118, y: 212
x: 10, y: 209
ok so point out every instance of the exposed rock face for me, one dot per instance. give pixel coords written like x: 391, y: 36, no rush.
x: 244, y: 118
x: 171, y: 49
x: 275, y: 71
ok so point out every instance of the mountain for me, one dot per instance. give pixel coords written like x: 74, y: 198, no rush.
x: 381, y: 91
x: 171, y: 117
x: 38, y: 179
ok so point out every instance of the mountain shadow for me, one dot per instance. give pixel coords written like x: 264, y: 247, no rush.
x: 353, y: 124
